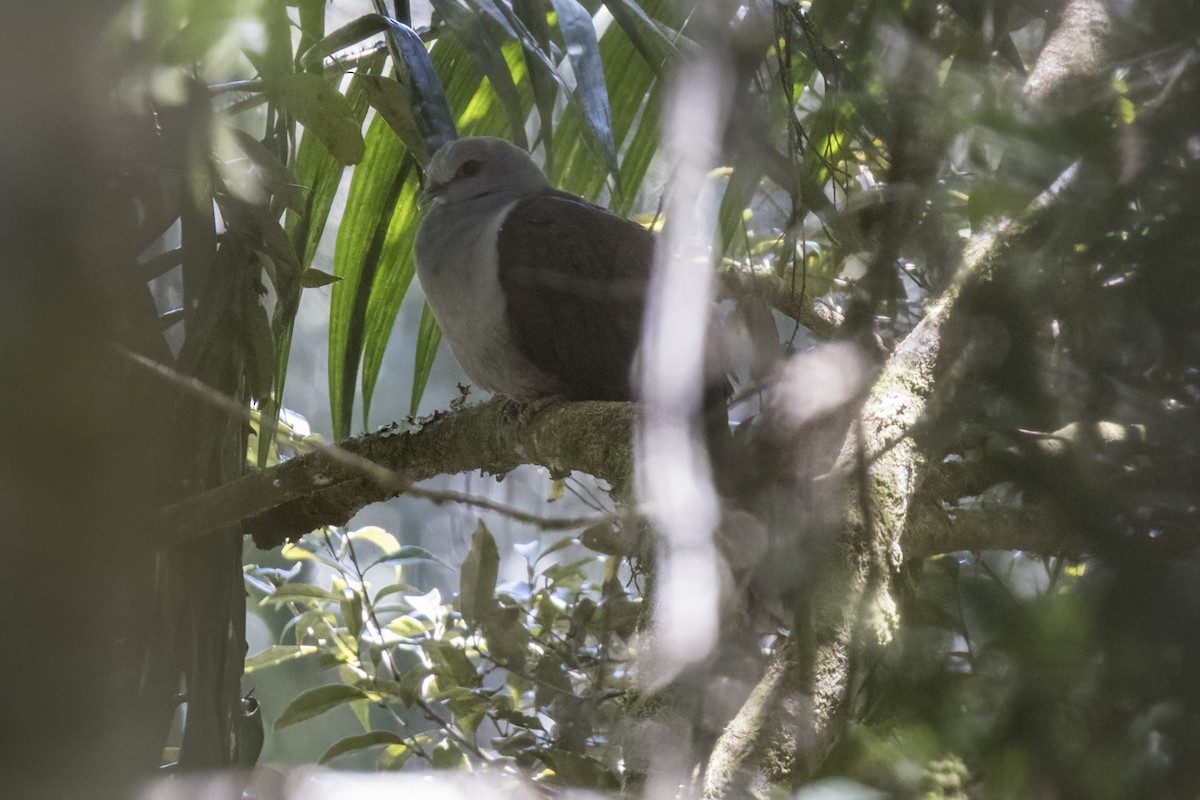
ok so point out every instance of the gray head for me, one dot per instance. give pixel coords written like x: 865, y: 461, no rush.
x: 477, y: 166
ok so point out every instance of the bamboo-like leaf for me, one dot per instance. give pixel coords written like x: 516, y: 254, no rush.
x: 319, y: 175
x: 644, y: 33
x: 319, y: 106
x: 429, y: 336
x: 429, y: 99
x: 638, y: 97
x: 392, y: 280
x: 478, y: 110
x: 344, y: 37
x: 583, y: 50
x: 317, y: 701
x: 470, y: 29
x: 542, y: 75
x: 373, y: 195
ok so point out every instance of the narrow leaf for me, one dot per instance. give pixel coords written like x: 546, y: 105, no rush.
x: 655, y: 47
x: 471, y: 31
x: 429, y: 99
x: 583, y: 49
x: 542, y: 75
x: 429, y: 336
x: 369, y: 204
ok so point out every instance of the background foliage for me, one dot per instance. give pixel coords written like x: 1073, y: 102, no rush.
x: 1043, y: 646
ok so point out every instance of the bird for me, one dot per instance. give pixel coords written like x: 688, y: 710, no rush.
x: 539, y: 292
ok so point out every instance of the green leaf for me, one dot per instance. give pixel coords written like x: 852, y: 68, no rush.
x: 320, y: 108
x: 552, y: 681
x: 480, y: 569
x: 583, y: 50
x: 361, y: 741
x: 563, y: 542
x: 572, y: 769
x: 543, y: 77
x: 407, y: 626
x: 655, y: 47
x: 317, y: 701
x: 394, y: 102
x: 312, y: 22
x: 507, y: 638
x: 429, y: 336
x: 393, y: 757
x: 447, y: 756
x: 471, y: 29
x: 450, y: 665
x: 409, y: 552
x: 258, y: 346
x: 373, y: 194
x: 277, y: 654
x: 391, y: 285
x: 312, y: 278
x: 395, y: 588
x: 739, y: 190
x: 277, y: 177
x: 299, y: 592
x: 429, y: 99
x: 319, y: 173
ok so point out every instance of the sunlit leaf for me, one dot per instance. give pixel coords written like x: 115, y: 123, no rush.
x: 429, y: 336
x: 317, y: 701
x: 472, y: 30
x: 299, y: 592
x: 361, y: 741
x: 277, y: 654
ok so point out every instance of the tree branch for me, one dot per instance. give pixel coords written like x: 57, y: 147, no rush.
x: 330, y: 485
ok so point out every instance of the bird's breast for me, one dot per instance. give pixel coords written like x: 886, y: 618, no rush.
x: 457, y: 264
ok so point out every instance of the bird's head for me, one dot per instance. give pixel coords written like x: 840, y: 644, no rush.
x: 465, y: 169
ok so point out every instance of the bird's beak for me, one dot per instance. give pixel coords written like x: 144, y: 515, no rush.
x: 432, y: 192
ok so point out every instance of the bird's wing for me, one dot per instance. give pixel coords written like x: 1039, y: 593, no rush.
x: 574, y: 278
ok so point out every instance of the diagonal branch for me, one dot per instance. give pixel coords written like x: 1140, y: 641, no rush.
x: 330, y: 485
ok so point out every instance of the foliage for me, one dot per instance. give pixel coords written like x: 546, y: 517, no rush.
x: 534, y: 673
x: 868, y: 143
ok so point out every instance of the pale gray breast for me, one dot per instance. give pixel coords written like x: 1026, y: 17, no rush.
x: 455, y: 252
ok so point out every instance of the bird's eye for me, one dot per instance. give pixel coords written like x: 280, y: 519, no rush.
x: 468, y: 169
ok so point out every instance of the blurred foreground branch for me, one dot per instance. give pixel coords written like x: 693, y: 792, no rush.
x: 798, y: 710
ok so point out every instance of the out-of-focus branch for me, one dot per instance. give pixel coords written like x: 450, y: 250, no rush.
x: 821, y: 319
x: 797, y: 711
x: 329, y: 486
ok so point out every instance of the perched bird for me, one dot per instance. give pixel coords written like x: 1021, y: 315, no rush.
x: 539, y: 292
